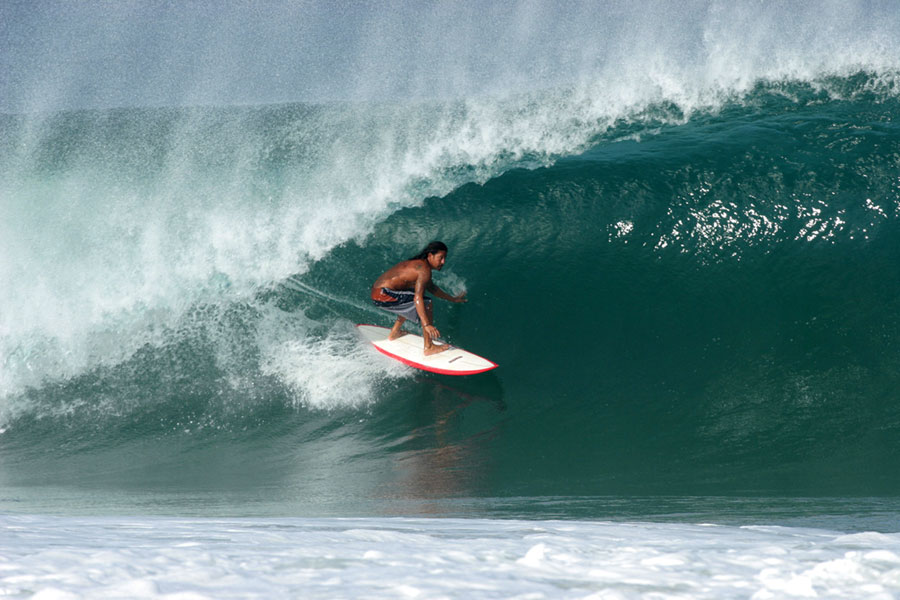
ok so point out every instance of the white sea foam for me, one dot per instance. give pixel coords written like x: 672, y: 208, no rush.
x: 64, y: 557
x: 329, y: 371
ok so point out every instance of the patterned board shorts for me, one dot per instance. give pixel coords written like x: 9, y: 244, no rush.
x: 402, y: 303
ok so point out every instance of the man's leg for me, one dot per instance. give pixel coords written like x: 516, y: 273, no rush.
x: 395, y: 330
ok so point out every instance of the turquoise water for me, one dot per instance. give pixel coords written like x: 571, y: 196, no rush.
x: 682, y: 254
x: 697, y: 307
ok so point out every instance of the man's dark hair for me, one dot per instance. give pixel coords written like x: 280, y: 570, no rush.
x: 431, y: 248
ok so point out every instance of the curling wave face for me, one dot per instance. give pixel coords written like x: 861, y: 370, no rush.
x: 702, y: 235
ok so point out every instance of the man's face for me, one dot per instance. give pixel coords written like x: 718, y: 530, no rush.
x: 437, y: 260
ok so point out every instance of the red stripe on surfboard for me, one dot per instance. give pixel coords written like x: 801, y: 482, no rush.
x: 429, y: 368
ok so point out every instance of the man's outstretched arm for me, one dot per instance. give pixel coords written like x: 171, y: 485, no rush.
x: 434, y: 289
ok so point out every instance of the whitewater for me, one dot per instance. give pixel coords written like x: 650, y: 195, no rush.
x: 694, y: 207
x: 448, y: 558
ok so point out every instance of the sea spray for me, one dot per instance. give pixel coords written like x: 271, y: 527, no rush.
x: 120, y: 220
x: 106, y: 254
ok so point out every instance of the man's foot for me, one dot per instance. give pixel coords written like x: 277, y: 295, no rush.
x: 393, y: 336
x: 435, y: 348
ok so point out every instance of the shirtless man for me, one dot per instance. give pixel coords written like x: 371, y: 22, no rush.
x: 401, y: 291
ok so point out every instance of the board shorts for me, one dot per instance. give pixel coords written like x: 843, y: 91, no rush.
x: 400, y: 302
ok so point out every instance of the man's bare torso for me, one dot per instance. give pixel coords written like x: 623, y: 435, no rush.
x: 402, y: 276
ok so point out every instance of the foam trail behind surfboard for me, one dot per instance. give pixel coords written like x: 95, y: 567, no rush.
x: 296, y: 285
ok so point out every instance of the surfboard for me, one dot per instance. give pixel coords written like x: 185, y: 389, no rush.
x: 409, y: 349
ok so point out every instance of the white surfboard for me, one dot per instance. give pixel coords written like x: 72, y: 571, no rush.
x: 409, y: 349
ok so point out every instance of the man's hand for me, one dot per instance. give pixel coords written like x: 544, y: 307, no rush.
x: 461, y: 297
x: 432, y: 331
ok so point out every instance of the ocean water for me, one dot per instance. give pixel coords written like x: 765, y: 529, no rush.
x: 681, y: 248
x: 438, y: 558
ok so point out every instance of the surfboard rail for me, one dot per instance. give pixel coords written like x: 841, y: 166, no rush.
x: 409, y: 350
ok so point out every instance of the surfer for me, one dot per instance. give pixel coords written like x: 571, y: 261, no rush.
x: 401, y: 291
